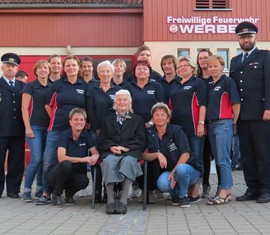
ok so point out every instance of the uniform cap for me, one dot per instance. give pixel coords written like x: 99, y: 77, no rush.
x: 11, y: 58
x: 246, y: 28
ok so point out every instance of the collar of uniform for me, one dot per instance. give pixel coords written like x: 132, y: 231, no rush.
x: 39, y: 84
x: 13, y: 79
x: 191, y: 78
x: 79, y: 81
x: 70, y: 136
x: 176, y: 78
x: 249, y: 52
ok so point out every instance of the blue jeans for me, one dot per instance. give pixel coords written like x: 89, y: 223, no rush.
x: 185, y: 175
x: 196, y: 145
x: 37, y: 146
x: 235, y: 152
x: 49, y: 156
x: 220, y: 134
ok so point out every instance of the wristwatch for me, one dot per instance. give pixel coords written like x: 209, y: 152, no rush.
x: 201, y: 122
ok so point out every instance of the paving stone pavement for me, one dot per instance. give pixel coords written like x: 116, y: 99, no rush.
x: 17, y: 217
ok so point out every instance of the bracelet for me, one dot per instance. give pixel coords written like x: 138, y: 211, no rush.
x: 173, y: 171
x: 201, y: 122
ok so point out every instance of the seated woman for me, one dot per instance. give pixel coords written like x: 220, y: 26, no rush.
x: 169, y: 153
x: 121, y: 143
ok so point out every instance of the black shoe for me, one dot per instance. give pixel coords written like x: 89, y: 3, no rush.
x: 43, y: 200
x: 69, y: 201
x: 110, y: 208
x: 248, y: 196
x: 13, y: 195
x: 263, y: 198
x: 122, y: 208
x: 56, y: 201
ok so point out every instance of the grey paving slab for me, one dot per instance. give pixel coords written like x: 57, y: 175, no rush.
x: 17, y: 217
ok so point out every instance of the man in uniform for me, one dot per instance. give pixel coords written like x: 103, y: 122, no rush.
x: 251, y: 72
x: 12, y: 130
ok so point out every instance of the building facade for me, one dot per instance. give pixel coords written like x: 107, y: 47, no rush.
x: 106, y: 29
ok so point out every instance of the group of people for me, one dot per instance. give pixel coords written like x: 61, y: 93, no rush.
x: 177, y: 122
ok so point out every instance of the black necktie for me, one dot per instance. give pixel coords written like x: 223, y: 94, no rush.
x: 11, y: 83
x: 245, y: 57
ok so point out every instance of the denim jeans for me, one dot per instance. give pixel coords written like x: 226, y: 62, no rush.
x: 37, y: 146
x: 196, y: 145
x: 220, y: 134
x: 185, y: 175
x: 49, y: 156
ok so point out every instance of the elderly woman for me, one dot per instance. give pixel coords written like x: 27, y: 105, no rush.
x: 222, y: 113
x: 100, y: 100
x: 188, y: 98
x: 121, y: 143
x: 176, y: 166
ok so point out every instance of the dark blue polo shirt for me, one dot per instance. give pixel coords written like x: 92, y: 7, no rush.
x: 172, y: 145
x: 99, y: 104
x: 166, y: 86
x: 76, y: 148
x: 121, y: 85
x: 93, y: 82
x: 64, y: 96
x: 144, y: 99
x: 38, y: 113
x: 185, y: 102
x: 221, y: 96
x: 154, y: 76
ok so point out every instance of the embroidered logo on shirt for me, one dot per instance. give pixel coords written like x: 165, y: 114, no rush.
x: 80, y: 91
x: 187, y: 87
x: 83, y: 144
x: 151, y: 92
x: 217, y: 88
x: 112, y: 97
x: 172, y: 147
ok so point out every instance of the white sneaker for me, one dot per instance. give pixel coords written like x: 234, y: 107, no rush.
x: 136, y: 192
x: 83, y: 193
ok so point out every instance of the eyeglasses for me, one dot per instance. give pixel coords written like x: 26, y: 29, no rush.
x: 183, y: 66
x: 203, y: 58
x: 163, y: 115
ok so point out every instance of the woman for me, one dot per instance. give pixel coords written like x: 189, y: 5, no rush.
x: 87, y: 67
x: 188, y: 103
x: 64, y: 95
x: 121, y: 143
x: 176, y: 166
x: 222, y: 113
x: 120, y: 68
x: 36, y: 124
x: 203, y: 73
x: 145, y: 93
x: 99, y: 105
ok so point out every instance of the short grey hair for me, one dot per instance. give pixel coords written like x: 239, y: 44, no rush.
x: 161, y: 105
x: 105, y: 64
x: 77, y: 111
x: 188, y: 60
x: 122, y: 92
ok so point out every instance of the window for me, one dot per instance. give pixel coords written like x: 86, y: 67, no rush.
x: 238, y: 51
x: 183, y: 52
x: 212, y: 4
x: 224, y: 53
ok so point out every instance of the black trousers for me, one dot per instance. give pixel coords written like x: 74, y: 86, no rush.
x: 254, y: 139
x: 15, y: 148
x: 63, y: 177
